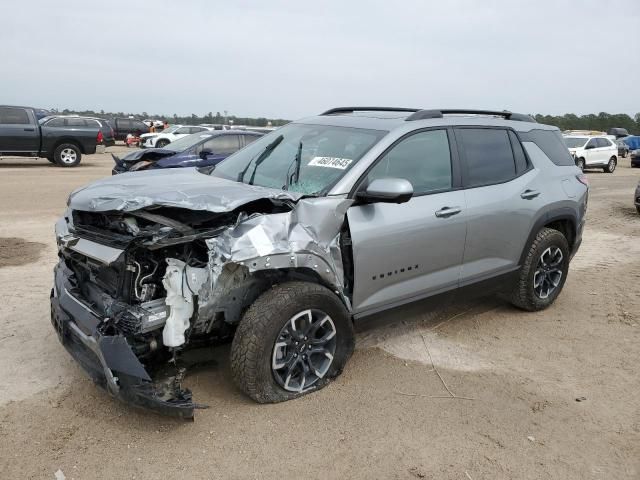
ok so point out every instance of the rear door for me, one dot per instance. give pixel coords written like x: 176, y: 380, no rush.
x: 591, y: 152
x: 18, y: 131
x: 607, y: 149
x: 218, y: 148
x: 406, y: 251
x: 503, y: 193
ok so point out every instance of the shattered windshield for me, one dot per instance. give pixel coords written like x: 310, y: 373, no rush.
x: 307, y: 159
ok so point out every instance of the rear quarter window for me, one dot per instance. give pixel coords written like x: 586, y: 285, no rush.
x: 551, y: 143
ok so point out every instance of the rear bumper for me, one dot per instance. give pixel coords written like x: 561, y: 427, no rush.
x: 109, y: 360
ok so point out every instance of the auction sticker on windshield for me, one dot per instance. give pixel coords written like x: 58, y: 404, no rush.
x: 330, y: 162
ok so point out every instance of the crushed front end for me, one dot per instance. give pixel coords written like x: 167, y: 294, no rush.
x: 144, y: 279
x: 108, y: 306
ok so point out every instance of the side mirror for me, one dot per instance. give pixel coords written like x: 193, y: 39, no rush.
x: 387, y: 190
x: 204, y: 153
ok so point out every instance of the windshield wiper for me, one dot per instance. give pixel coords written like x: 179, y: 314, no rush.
x: 261, y: 157
x: 296, y: 172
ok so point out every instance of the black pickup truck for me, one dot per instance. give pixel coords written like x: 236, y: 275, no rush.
x: 22, y: 135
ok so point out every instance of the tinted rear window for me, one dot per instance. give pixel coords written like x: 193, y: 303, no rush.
x: 551, y: 143
x: 488, y: 154
x: 13, y: 116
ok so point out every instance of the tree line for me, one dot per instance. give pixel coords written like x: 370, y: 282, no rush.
x: 192, y: 119
x: 602, y: 121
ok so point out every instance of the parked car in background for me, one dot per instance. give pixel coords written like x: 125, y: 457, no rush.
x: 593, y: 152
x: 201, y: 149
x: 148, y: 136
x: 633, y: 142
x: 618, y: 132
x: 22, y: 135
x: 623, y: 148
x: 636, y: 197
x: 289, y: 240
x: 124, y: 126
x: 168, y: 135
x: 75, y: 121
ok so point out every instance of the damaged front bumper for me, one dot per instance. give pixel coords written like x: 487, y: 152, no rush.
x: 109, y: 360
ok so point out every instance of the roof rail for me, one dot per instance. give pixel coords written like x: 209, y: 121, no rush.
x: 423, y: 114
x: 339, y: 110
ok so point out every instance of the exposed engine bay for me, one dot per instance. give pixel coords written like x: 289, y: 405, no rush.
x: 139, y: 285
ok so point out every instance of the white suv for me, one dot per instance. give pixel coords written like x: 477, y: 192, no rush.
x: 590, y: 151
x: 168, y: 135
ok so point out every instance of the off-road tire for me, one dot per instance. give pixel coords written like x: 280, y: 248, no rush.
x: 163, y: 142
x: 255, y: 337
x: 611, y: 166
x: 523, y: 295
x: 581, y: 163
x: 61, y: 151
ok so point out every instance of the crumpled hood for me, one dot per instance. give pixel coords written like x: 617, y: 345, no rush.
x: 181, y: 188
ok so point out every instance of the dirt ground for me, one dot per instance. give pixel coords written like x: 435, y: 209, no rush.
x: 522, y: 375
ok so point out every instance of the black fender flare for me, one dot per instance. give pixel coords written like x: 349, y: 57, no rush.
x: 557, y: 214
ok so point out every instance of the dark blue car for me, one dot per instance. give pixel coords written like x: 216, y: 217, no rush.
x: 200, y: 149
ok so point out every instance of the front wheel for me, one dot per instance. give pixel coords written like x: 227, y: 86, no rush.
x: 611, y: 166
x: 67, y: 155
x: 294, y: 339
x: 580, y: 163
x: 544, y: 271
x: 162, y: 143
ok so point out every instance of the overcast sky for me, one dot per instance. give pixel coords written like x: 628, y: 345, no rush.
x: 290, y: 59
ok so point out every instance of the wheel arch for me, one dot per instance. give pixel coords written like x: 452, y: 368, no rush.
x: 71, y: 140
x: 238, y: 291
x: 563, y: 219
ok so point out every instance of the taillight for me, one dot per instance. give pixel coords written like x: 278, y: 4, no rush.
x: 100, y: 137
x: 582, y: 178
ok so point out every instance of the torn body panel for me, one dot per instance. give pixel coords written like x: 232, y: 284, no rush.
x: 155, y: 280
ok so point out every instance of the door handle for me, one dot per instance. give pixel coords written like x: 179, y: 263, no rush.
x: 529, y: 194
x: 445, y: 212
x: 29, y: 129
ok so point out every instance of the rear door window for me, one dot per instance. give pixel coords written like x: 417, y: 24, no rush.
x: 222, y: 144
x: 13, y: 116
x: 247, y: 139
x: 603, y: 143
x: 196, y: 129
x: 518, y: 153
x: 488, y: 156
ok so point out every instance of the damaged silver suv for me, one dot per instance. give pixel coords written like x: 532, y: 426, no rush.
x: 323, y: 221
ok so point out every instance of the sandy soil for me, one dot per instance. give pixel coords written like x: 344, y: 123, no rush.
x: 521, y: 372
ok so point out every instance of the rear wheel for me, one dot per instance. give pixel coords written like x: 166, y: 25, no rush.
x: 67, y: 155
x: 544, y: 271
x: 293, y: 340
x: 611, y: 166
x: 581, y: 164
